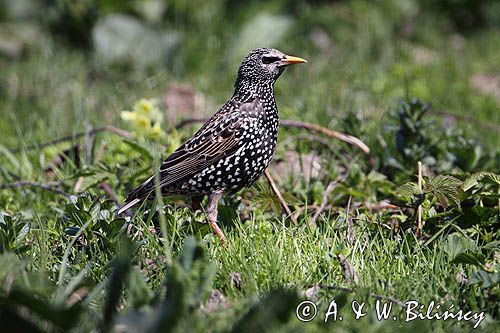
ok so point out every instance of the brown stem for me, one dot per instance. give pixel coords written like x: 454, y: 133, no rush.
x: 89, y: 141
x: 326, y: 196
x: 277, y: 192
x: 350, y: 274
x: 352, y: 140
x: 348, y: 231
x: 108, y: 128
x: 328, y: 132
x: 381, y: 206
x: 300, y: 210
x: 45, y: 187
x: 109, y: 191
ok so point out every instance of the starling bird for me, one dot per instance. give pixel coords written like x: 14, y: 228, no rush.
x: 233, y: 148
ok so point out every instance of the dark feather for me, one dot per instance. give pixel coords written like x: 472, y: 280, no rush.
x: 220, y: 136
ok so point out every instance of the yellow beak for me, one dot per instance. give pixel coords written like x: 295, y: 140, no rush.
x: 290, y: 60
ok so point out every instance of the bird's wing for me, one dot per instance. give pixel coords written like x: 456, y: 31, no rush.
x: 221, y: 136
x: 206, y: 148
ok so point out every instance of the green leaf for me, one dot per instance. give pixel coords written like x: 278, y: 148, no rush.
x: 89, y: 182
x: 187, y: 282
x: 445, y: 189
x: 23, y: 230
x: 485, y: 279
x: 116, y: 283
x: 407, y: 190
x: 454, y: 245
x: 475, y: 178
x: 12, y: 321
x: 493, y: 177
x: 62, y: 317
x: 140, y: 149
x: 11, y: 157
x: 270, y: 312
x: 139, y: 291
x: 474, y: 258
x: 495, y: 245
x: 462, y: 250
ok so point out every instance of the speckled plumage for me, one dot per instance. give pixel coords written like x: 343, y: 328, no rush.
x: 233, y: 148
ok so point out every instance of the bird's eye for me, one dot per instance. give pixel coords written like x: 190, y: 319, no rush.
x: 269, y: 59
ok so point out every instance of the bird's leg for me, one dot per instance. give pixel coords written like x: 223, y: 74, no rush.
x: 196, y: 202
x: 213, y: 200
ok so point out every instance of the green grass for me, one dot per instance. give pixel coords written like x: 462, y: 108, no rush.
x: 161, y: 275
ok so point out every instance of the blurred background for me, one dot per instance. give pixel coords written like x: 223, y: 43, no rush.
x: 69, y: 63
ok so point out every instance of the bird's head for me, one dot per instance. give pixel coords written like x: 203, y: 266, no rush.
x: 264, y: 65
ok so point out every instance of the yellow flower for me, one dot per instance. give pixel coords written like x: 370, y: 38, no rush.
x: 128, y: 116
x: 142, y: 122
x: 144, y: 106
x: 145, y: 119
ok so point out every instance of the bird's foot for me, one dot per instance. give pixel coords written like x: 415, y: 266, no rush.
x: 213, y: 199
x: 218, y: 231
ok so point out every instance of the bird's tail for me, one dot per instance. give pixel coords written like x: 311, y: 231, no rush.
x: 138, y: 195
x: 128, y: 205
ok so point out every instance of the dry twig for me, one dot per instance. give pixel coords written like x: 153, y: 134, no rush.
x: 45, y: 187
x: 300, y: 210
x: 310, y: 137
x: 348, y: 231
x: 326, y: 196
x: 349, y: 272
x: 277, y: 192
x: 108, y: 128
x: 109, y: 191
x: 383, y: 205
x: 328, y: 132
x: 89, y: 141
